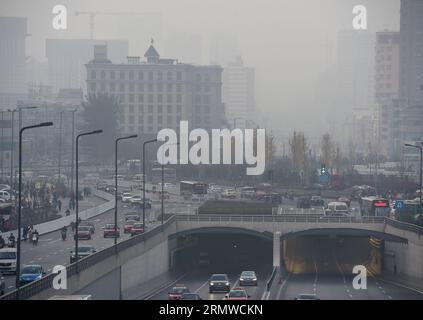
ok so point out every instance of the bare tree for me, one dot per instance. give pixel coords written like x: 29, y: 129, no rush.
x: 327, y: 150
x: 299, y: 149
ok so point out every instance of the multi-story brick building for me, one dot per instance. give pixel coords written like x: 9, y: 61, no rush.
x: 158, y: 93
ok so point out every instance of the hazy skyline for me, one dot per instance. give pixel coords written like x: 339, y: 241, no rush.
x: 289, y: 43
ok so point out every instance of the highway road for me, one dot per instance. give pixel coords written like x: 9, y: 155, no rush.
x: 52, y: 250
x: 332, y: 278
x: 197, y: 281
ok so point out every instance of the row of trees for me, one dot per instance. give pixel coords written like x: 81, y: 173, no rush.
x: 101, y: 111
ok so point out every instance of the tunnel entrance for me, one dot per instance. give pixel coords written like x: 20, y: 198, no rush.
x: 222, y: 252
x: 332, y: 254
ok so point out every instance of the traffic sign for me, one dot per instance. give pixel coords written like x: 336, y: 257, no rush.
x: 399, y: 204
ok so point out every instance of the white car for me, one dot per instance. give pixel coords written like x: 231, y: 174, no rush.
x: 337, y: 209
x: 126, y: 196
x: 8, y: 260
x: 135, y: 199
x: 229, y: 194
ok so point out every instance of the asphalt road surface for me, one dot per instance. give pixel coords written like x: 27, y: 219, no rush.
x: 198, y: 281
x: 51, y: 250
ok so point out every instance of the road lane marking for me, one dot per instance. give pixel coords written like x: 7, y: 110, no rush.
x: 9, y: 287
x: 401, y: 285
x: 32, y: 261
x: 281, y: 286
x: 57, y: 240
x: 201, y: 287
x: 158, y: 291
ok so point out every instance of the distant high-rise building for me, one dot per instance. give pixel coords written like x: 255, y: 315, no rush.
x: 187, y: 48
x: 67, y: 58
x: 158, y: 93
x: 411, y: 78
x: 386, y: 66
x: 238, y: 93
x: 411, y: 52
x: 13, y: 31
x: 355, y: 68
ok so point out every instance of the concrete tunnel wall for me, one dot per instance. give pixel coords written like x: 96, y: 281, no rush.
x: 146, y: 260
x: 408, y: 258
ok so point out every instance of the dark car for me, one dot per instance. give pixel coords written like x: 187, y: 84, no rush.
x: 306, y: 296
x: 248, y: 278
x: 83, y: 233
x: 190, y: 296
x: 273, y: 198
x: 219, y: 283
x: 317, y: 201
x: 303, y: 203
x: 109, y: 231
x: 83, y: 251
x: 177, y: 292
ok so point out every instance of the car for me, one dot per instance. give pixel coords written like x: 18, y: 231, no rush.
x: 83, y: 233
x: 89, y: 224
x: 132, y: 216
x: 190, y: 296
x: 135, y: 199
x: 248, y: 192
x: 8, y: 258
x: 317, y: 201
x: 126, y: 196
x: 303, y: 203
x: 229, y: 194
x: 337, y: 209
x: 109, y: 231
x: 127, y: 227
x: 137, y: 228
x: 83, y: 251
x: 346, y: 200
x: 306, y: 296
x: 177, y: 292
x: 219, y: 282
x: 139, y: 204
x: 273, y: 197
x: 31, y: 273
x: 237, y: 294
x: 248, y: 278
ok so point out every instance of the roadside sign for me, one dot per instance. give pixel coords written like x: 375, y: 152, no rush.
x: 399, y: 204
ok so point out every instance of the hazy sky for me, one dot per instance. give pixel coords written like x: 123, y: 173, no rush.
x: 288, y: 42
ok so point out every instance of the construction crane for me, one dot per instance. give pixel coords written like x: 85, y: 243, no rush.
x: 92, y: 15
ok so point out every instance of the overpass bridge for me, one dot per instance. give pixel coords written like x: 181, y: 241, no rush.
x: 107, y: 273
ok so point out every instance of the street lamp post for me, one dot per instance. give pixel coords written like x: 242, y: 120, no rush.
x: 421, y: 170
x: 163, y: 183
x: 116, y: 180
x: 73, y: 145
x: 18, y: 251
x: 77, y: 191
x: 143, y: 179
x: 60, y: 146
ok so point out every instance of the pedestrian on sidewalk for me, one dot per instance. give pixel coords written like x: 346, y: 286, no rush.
x: 59, y: 205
